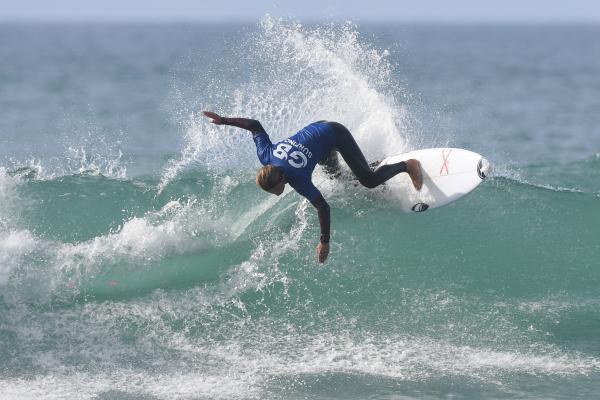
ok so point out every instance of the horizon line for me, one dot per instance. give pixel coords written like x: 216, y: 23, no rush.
x: 311, y: 20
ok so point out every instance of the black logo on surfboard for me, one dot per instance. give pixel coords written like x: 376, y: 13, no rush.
x: 483, y: 167
x: 420, y: 207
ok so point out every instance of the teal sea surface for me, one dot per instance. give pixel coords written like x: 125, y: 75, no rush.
x: 138, y: 259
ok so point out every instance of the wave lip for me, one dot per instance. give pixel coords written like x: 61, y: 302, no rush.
x: 303, y: 75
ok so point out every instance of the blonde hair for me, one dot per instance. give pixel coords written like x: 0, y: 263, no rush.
x: 268, y: 176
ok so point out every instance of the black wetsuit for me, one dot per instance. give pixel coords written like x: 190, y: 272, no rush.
x: 347, y: 147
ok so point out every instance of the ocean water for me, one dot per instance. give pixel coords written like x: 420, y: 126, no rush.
x: 139, y: 261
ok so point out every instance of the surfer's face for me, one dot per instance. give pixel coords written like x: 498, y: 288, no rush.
x: 278, y: 188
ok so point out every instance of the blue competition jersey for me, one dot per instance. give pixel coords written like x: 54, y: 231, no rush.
x: 298, y: 155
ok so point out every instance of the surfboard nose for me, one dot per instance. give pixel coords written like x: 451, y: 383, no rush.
x: 483, y: 168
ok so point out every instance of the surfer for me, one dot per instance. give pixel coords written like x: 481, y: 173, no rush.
x: 294, y: 159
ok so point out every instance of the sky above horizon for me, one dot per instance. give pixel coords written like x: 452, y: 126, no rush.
x: 329, y: 10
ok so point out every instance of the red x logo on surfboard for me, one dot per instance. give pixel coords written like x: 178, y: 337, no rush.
x: 445, y: 157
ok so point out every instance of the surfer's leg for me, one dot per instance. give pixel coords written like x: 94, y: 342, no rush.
x: 355, y: 159
x: 331, y: 164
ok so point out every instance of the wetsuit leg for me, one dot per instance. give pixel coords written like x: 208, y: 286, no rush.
x: 331, y: 164
x: 355, y: 159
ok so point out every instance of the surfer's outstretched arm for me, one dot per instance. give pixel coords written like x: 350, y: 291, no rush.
x: 325, y: 224
x: 251, y: 125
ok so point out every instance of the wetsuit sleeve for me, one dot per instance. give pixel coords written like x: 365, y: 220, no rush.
x: 324, y: 217
x: 263, y: 147
x: 306, y: 188
x: 261, y: 139
x: 251, y: 125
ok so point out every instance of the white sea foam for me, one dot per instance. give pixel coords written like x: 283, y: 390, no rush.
x: 9, y: 200
x: 244, y: 368
x: 90, y: 153
x: 251, y: 273
x: 87, y: 149
x: 14, y: 247
x: 416, y: 358
x: 131, y: 384
x: 15, y: 243
x: 238, y: 355
x: 83, y: 160
x: 176, y: 228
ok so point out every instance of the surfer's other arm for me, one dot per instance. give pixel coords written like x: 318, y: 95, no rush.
x: 325, y: 223
x: 251, y: 125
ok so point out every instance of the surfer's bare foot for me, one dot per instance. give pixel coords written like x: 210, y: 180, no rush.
x: 413, y: 168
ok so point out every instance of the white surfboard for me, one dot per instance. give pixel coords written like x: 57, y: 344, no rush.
x: 448, y: 175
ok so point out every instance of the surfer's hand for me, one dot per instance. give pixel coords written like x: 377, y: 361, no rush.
x: 322, y: 252
x: 216, y: 118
